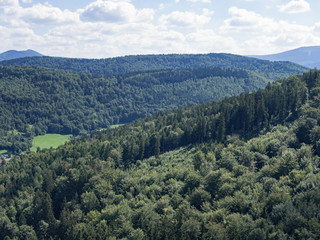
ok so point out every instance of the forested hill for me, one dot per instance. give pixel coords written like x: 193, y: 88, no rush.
x: 246, y: 167
x: 13, y: 54
x: 37, y: 100
x: 127, y: 64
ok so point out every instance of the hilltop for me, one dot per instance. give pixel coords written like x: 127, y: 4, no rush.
x: 305, y: 56
x: 140, y: 63
x: 13, y: 54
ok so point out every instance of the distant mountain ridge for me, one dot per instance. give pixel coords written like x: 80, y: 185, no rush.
x: 13, y: 54
x: 305, y: 56
x: 138, y: 63
x: 74, y: 96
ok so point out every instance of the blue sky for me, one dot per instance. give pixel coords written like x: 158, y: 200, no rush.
x: 109, y: 28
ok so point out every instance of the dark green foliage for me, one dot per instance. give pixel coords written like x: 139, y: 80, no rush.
x: 35, y: 101
x: 199, y: 197
x: 157, y: 62
x: 260, y: 181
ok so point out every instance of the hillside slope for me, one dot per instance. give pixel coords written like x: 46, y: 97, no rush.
x: 35, y: 101
x: 13, y: 54
x: 138, y: 63
x: 41, y: 100
x: 246, y: 167
x: 305, y: 56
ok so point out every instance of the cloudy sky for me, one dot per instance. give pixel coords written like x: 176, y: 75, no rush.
x: 109, y: 28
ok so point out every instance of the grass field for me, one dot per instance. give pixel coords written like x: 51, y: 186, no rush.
x: 3, y: 151
x: 116, y: 126
x: 111, y: 127
x: 54, y: 140
x: 48, y: 141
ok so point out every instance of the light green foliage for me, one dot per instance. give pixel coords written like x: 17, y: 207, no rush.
x: 49, y: 141
x: 116, y: 126
x: 258, y: 184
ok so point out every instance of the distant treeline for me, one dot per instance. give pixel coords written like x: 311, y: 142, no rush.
x: 139, y: 63
x: 36, y: 100
x: 245, y: 115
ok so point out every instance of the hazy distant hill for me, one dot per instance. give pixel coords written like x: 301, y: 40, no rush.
x: 305, y: 56
x: 13, y: 54
x: 139, y: 63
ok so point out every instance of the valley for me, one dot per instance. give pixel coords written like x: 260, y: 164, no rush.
x: 179, y: 153
x: 159, y: 120
x: 245, y: 167
x: 36, y: 100
x: 48, y: 141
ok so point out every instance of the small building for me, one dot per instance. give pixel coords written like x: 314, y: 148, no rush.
x: 5, y: 157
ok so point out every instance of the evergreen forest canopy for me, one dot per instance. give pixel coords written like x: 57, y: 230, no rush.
x: 245, y: 167
x: 138, y: 63
x: 38, y: 100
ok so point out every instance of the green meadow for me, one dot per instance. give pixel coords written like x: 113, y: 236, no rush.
x: 49, y: 140
x: 116, y: 126
x: 3, y: 151
x: 111, y: 127
x: 53, y: 140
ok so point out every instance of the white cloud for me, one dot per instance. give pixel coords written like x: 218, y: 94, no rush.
x: 201, y: 1
x: 38, y: 14
x: 27, y: 1
x: 9, y: 3
x: 317, y: 27
x: 295, y: 6
x: 145, y: 14
x: 114, y: 12
x: 206, y: 40
x: 18, y: 38
x: 266, y: 44
x: 108, y: 40
x: 186, y: 19
x: 108, y: 11
x: 244, y: 20
x: 263, y: 34
x: 108, y: 28
x: 46, y: 14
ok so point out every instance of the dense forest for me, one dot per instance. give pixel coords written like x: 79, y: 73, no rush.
x: 245, y: 167
x: 138, y: 63
x: 38, y: 100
